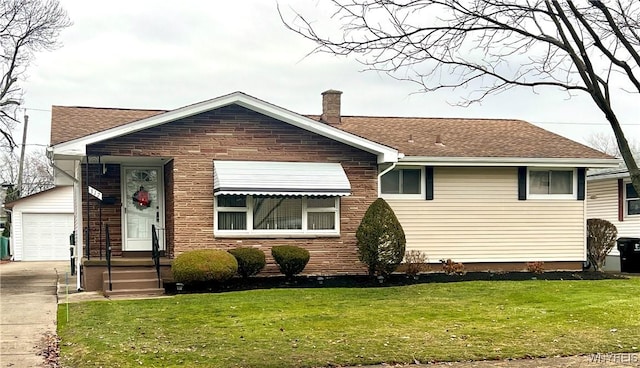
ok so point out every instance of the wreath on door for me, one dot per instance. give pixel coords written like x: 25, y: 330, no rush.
x: 141, y: 199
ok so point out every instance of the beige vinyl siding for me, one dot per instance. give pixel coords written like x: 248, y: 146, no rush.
x: 476, y: 217
x: 602, y: 202
x: 59, y: 178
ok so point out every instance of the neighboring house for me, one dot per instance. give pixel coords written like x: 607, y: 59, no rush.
x: 41, y: 225
x: 613, y: 198
x: 239, y: 171
x: 4, y: 219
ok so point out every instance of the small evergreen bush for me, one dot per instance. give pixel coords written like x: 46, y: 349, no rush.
x: 204, y: 265
x: 250, y: 260
x: 601, y: 237
x: 381, y: 240
x: 7, y: 230
x: 290, y: 259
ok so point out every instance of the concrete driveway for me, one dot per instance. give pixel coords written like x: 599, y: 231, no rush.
x: 28, y: 303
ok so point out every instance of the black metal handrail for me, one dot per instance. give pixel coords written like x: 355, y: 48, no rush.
x: 108, y: 246
x: 155, y: 252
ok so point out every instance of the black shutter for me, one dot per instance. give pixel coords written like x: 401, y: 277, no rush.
x: 581, y: 183
x: 522, y: 183
x: 620, y: 200
x: 428, y: 176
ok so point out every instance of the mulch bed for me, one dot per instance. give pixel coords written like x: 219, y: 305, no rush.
x: 271, y: 282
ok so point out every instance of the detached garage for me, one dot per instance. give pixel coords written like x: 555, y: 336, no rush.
x: 41, y: 224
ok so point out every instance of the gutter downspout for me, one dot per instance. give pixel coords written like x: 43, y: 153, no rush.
x: 50, y: 157
x: 393, y: 165
x: 75, y: 181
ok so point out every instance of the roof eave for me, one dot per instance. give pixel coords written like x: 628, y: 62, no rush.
x: 511, y: 161
x: 608, y: 175
x: 78, y: 147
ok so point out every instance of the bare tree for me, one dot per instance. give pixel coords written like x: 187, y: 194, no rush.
x: 26, y: 27
x: 606, y: 143
x: 491, y: 46
x: 37, y: 173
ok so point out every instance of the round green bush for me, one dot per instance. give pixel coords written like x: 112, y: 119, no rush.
x: 250, y: 260
x: 381, y: 240
x: 290, y: 259
x: 204, y: 265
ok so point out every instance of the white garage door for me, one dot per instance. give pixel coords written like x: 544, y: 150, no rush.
x: 46, y: 236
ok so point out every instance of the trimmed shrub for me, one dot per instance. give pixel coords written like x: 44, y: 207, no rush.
x: 601, y: 237
x: 290, y: 259
x: 7, y: 230
x: 381, y: 240
x: 204, y: 265
x: 250, y: 260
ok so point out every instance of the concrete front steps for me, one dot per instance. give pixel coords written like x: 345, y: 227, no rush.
x: 132, y: 282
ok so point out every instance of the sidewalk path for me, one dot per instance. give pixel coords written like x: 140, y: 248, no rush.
x: 28, y: 304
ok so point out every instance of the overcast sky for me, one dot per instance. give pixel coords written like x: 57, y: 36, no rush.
x: 159, y: 55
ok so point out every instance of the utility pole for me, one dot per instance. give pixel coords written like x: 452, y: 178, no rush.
x: 24, y: 144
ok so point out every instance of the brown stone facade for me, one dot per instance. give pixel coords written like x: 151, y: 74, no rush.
x: 107, y: 180
x: 233, y: 133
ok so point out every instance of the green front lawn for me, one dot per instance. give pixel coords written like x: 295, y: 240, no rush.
x: 349, y: 326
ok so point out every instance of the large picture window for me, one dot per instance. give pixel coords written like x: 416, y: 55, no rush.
x: 632, y: 200
x: 552, y: 183
x: 271, y: 215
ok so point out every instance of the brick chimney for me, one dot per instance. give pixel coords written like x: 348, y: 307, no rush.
x: 331, y: 107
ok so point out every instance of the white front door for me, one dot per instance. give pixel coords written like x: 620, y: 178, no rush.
x: 143, y: 206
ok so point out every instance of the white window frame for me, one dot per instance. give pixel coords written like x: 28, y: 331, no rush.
x: 627, y: 200
x: 420, y: 195
x: 219, y: 209
x: 292, y: 233
x: 574, y: 194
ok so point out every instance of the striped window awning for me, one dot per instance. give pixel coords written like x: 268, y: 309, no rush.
x: 280, y: 178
